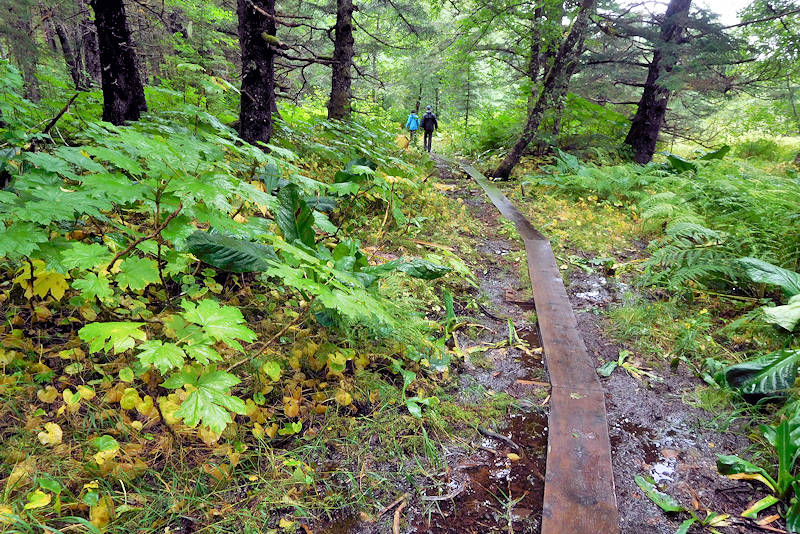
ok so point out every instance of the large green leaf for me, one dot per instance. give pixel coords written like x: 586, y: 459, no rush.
x: 94, y: 286
x: 221, y: 323
x: 163, y: 356
x: 294, y: 217
x: 20, y: 239
x: 768, y: 374
x: 716, y: 154
x: 210, y: 400
x: 230, y: 253
x: 137, y: 273
x: 120, y: 336
x: 793, y: 512
x: 762, y: 272
x: 679, y: 164
x: 666, y: 502
x: 786, y: 316
x: 83, y: 256
x: 416, y: 267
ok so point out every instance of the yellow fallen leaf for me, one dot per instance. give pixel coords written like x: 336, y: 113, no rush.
x: 291, y: 408
x: 258, y: 431
x: 37, y: 499
x: 217, y: 472
x: 102, y: 513
x: 5, y: 512
x: 130, y: 398
x: 23, y: 469
x: 514, y: 457
x: 52, y: 434
x: 285, y: 523
x: 86, y: 393
x: 102, y: 457
x: 48, y: 394
x: 343, y: 398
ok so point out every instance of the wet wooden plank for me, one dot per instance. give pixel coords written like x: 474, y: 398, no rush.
x: 579, y: 495
x: 568, y: 362
x: 579, y: 482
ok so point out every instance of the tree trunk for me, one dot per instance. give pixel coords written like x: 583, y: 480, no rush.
x: 646, y: 124
x: 419, y: 99
x: 256, y: 32
x: 535, y: 59
x: 123, y: 93
x: 87, y: 42
x: 73, y: 61
x: 24, y: 50
x: 556, y: 81
x: 47, y: 27
x: 343, y: 51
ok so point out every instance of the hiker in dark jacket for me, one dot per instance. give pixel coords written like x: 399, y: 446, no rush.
x: 429, y: 124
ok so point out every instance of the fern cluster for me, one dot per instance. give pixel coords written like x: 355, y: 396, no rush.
x: 704, y: 218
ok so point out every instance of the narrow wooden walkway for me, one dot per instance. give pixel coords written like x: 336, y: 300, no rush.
x: 579, y: 493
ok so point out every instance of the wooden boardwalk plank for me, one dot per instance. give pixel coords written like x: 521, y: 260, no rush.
x: 579, y: 495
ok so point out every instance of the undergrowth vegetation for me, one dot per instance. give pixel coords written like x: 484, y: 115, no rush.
x: 185, y: 311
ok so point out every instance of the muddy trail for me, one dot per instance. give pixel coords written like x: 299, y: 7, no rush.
x: 493, y: 480
x: 652, y: 431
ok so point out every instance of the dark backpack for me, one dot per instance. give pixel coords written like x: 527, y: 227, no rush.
x: 428, y: 121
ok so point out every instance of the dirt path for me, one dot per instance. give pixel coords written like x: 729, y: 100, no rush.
x: 652, y: 431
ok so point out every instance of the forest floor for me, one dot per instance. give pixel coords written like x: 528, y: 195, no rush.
x: 654, y: 431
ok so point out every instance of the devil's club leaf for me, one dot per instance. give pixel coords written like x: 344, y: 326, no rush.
x: 163, y: 356
x: 221, y: 323
x: 20, y: 239
x: 230, y: 253
x: 94, y: 286
x: 120, y: 336
x: 137, y: 273
x: 209, y: 400
x: 83, y: 256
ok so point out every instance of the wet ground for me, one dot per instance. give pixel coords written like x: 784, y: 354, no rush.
x: 500, y: 487
x: 653, y: 432
x: 495, y: 484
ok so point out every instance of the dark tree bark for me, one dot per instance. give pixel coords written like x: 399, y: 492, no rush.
x: 343, y: 51
x: 123, y: 93
x: 257, y: 38
x: 649, y: 118
x: 47, y: 27
x: 554, y: 85
x: 87, y: 42
x: 72, y: 60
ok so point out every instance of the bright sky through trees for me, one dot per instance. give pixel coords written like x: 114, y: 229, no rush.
x: 727, y: 9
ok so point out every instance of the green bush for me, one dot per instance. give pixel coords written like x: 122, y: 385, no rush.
x: 764, y: 149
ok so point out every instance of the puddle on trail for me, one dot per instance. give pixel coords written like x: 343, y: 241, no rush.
x: 494, y: 492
